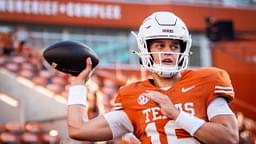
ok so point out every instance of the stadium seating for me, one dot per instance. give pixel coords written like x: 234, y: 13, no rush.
x: 30, y: 133
x: 9, y: 138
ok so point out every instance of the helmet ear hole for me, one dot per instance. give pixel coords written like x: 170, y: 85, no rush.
x: 182, y: 46
x: 148, y: 44
x: 150, y: 61
x: 181, y: 61
x: 140, y: 61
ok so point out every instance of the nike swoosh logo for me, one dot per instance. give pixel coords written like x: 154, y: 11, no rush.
x: 187, y: 89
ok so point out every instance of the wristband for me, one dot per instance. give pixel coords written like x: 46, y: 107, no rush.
x: 77, y: 95
x: 189, y: 123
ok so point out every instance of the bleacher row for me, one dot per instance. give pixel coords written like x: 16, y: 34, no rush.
x: 31, y: 133
x: 33, y: 69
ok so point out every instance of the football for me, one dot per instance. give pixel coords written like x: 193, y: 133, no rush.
x: 69, y: 56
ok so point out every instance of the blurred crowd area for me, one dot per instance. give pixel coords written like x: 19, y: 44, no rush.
x: 30, y: 133
x: 18, y: 56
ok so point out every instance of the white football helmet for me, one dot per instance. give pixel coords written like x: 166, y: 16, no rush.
x: 163, y: 25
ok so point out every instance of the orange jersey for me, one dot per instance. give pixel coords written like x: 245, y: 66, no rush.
x: 191, y: 94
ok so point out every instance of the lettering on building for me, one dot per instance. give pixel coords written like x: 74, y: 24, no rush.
x: 54, y: 8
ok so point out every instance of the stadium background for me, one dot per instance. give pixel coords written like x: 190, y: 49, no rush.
x: 33, y: 96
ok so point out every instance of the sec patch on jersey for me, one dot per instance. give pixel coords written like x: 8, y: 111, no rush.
x: 69, y: 56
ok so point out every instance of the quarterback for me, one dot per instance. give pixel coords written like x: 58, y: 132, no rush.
x: 177, y: 106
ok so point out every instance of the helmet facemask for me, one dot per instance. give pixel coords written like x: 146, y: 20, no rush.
x: 157, y: 26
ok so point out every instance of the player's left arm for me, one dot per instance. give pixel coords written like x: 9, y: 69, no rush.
x: 222, y: 128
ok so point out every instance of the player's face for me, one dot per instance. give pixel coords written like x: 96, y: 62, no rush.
x: 165, y: 45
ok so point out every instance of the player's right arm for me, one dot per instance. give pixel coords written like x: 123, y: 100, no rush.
x: 105, y: 127
x: 79, y: 126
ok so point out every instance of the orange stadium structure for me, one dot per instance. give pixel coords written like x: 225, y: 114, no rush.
x: 34, y: 96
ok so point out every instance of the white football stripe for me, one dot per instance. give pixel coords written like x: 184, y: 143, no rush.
x: 223, y: 91
x: 224, y: 88
x: 118, y: 108
x: 117, y: 104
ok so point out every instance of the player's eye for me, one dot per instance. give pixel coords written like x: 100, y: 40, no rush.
x: 175, y: 47
x: 160, y: 46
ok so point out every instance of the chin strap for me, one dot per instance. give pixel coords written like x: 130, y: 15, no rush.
x: 167, y: 74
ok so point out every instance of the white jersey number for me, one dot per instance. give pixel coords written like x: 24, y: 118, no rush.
x: 169, y: 130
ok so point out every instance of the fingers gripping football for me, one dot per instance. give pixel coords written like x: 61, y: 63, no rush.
x: 85, y: 74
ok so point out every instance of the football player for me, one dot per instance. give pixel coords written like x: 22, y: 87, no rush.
x: 178, y: 105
